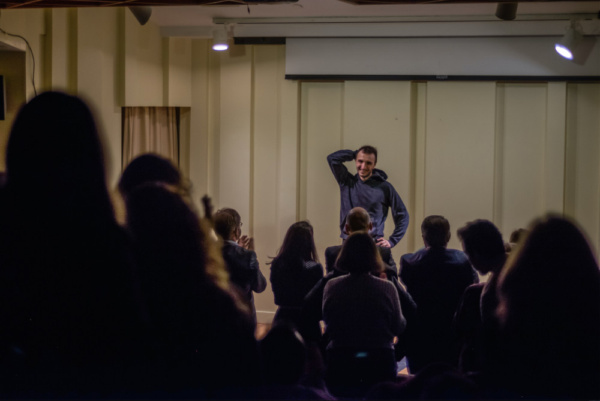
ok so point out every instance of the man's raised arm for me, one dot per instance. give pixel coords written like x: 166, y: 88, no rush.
x: 336, y: 162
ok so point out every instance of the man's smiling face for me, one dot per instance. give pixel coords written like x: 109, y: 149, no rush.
x: 365, y: 164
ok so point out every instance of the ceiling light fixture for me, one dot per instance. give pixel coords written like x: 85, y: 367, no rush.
x: 507, y: 11
x: 221, y: 38
x: 568, y: 43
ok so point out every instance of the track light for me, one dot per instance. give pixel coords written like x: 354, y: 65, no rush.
x: 507, y: 11
x: 141, y: 13
x: 220, y: 38
x: 568, y: 43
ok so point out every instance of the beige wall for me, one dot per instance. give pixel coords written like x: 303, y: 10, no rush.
x: 258, y: 143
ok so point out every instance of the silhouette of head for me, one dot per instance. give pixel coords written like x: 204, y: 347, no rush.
x: 435, y: 231
x: 359, y: 255
x: 148, y: 168
x: 298, y: 243
x: 54, y: 153
x: 483, y: 244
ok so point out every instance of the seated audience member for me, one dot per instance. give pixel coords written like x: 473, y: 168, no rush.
x: 358, y: 220
x: 240, y: 258
x: 70, y: 323
x: 362, y: 315
x: 294, y: 272
x: 549, y: 315
x: 475, y: 320
x: 435, y: 277
x: 202, y: 335
x: 286, y: 364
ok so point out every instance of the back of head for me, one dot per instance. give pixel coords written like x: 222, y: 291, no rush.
x: 359, y: 255
x: 166, y: 229
x: 226, y: 221
x: 298, y: 244
x: 148, y: 168
x: 358, y: 219
x: 284, y: 355
x: 369, y: 150
x: 54, y: 151
x: 557, y: 257
x: 482, y: 239
x: 549, y: 310
x: 435, y: 231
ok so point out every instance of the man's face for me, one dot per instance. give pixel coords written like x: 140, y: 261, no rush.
x: 365, y: 163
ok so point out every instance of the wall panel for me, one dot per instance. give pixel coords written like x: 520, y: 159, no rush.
x: 459, y: 146
x: 266, y: 111
x: 521, y: 128
x: 178, y: 72
x: 582, y: 184
x: 321, y: 134
x: 235, y: 134
x: 97, y: 61
x: 143, y: 63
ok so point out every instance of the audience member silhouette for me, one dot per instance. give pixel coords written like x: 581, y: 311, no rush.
x: 362, y: 316
x: 286, y: 363
x: 358, y: 220
x: 549, y: 315
x: 294, y: 272
x: 202, y: 336
x: 435, y: 277
x: 69, y: 312
x: 475, y: 320
x: 152, y: 168
x: 240, y: 258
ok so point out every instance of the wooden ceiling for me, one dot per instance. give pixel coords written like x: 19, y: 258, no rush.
x: 123, y: 3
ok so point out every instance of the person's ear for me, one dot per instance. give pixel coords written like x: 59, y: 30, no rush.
x: 346, y: 228
x: 370, y: 226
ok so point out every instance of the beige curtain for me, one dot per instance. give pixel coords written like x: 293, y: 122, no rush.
x: 150, y: 129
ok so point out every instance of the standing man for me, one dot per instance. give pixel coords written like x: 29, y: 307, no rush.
x: 369, y: 189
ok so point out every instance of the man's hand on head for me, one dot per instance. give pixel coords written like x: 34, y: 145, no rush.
x: 382, y: 242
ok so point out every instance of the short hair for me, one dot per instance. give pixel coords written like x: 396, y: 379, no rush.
x: 358, y: 219
x: 226, y: 221
x: 359, y: 255
x: 482, y: 237
x: 369, y: 150
x: 435, y: 230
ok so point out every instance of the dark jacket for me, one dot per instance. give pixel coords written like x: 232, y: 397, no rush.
x: 244, y: 272
x: 376, y: 195
x: 436, y: 279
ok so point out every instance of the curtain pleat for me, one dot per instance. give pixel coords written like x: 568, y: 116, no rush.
x: 150, y: 130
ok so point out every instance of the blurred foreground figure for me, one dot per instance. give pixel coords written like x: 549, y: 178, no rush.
x: 202, y: 335
x: 549, y: 315
x: 68, y: 312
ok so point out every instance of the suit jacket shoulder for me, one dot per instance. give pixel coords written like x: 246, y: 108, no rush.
x: 331, y: 254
